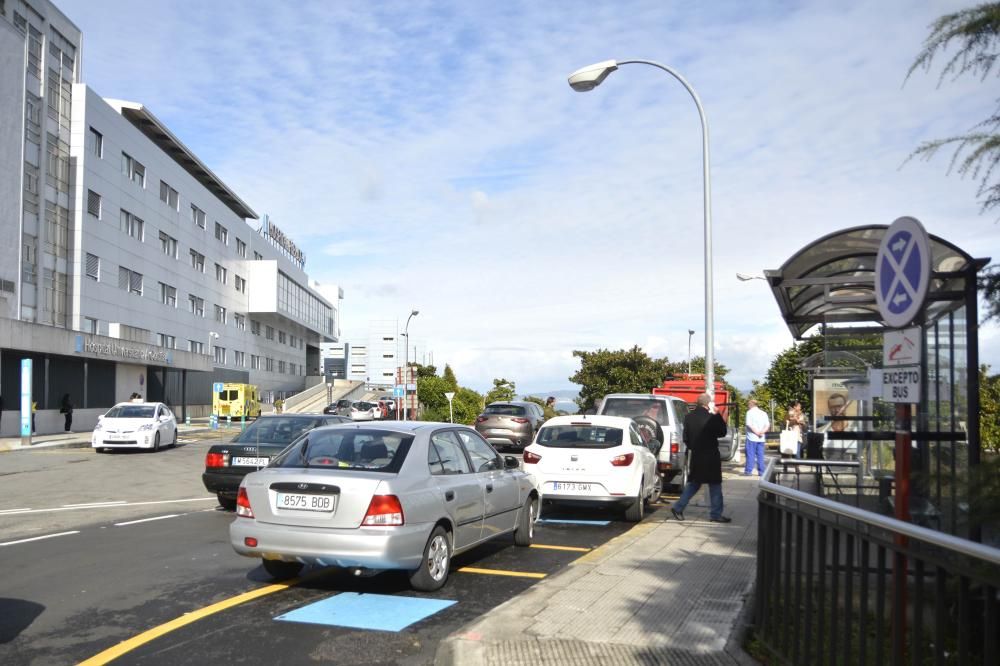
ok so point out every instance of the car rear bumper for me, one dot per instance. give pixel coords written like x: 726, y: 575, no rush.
x: 368, y: 547
x: 221, y: 482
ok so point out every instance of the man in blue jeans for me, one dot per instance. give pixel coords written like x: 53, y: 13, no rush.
x: 702, y: 429
x: 757, y: 427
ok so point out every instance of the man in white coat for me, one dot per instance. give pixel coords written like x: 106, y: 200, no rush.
x: 757, y: 427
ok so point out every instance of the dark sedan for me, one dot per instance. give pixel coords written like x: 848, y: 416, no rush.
x: 227, y: 464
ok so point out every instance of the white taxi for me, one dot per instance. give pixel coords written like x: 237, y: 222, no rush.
x: 594, y: 459
x: 142, y: 425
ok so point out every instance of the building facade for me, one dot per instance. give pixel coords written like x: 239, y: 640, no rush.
x: 377, y: 358
x: 136, y: 267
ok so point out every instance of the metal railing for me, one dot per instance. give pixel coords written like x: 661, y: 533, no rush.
x: 840, y: 585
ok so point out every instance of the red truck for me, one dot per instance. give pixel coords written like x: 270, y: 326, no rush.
x: 689, y: 387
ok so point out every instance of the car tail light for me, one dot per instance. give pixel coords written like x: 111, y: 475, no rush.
x: 384, y: 510
x: 531, y: 458
x: 243, y: 504
x: 480, y: 419
x: 623, y: 460
x: 215, y: 460
x: 519, y: 419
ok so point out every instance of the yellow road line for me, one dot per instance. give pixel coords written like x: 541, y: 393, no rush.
x: 574, y: 549
x: 130, y: 644
x: 499, y: 572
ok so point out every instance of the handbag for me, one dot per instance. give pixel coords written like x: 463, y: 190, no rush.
x: 789, y: 443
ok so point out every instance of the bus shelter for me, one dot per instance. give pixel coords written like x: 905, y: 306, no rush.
x: 831, y: 287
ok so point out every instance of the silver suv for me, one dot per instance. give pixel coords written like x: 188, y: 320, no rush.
x: 660, y: 418
x: 510, y: 424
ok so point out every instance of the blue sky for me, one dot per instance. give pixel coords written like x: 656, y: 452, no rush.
x: 430, y: 155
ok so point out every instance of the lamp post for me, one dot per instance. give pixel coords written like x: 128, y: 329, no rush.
x: 690, y: 333
x: 743, y: 277
x: 592, y: 76
x: 406, y: 362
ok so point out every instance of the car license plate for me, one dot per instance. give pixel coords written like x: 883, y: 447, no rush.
x: 241, y: 461
x: 571, y: 487
x: 307, y: 502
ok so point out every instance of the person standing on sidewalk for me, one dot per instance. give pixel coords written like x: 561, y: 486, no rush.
x: 66, y: 408
x: 702, y: 429
x: 757, y: 427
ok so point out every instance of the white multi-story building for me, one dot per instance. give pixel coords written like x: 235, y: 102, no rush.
x: 131, y: 266
x: 378, y: 357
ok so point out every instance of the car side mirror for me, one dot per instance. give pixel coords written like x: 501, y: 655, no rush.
x: 510, y: 462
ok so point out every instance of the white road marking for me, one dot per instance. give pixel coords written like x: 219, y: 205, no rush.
x: 146, y: 520
x: 112, y: 503
x: 14, y: 511
x: 21, y: 512
x: 47, y: 536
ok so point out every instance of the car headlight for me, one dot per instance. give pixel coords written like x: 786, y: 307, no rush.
x: 146, y: 426
x: 98, y: 427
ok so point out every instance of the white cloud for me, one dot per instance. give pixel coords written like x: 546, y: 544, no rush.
x: 436, y: 155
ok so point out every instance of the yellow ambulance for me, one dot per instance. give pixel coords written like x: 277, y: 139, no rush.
x: 236, y: 401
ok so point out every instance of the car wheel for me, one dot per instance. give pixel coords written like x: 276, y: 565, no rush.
x: 174, y: 443
x: 156, y: 442
x: 229, y: 504
x: 654, y: 496
x: 433, y: 571
x: 280, y: 570
x: 636, y: 509
x: 524, y: 533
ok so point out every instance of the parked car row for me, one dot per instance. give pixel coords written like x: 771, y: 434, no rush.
x: 362, y: 410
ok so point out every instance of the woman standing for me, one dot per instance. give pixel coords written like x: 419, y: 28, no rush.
x: 795, y: 421
x: 67, y: 408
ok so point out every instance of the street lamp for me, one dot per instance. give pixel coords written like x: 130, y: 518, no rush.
x: 406, y: 362
x: 690, y: 333
x: 212, y: 335
x: 743, y: 277
x: 592, y: 76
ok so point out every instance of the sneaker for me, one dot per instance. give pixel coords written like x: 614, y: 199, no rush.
x: 720, y: 519
x: 679, y: 515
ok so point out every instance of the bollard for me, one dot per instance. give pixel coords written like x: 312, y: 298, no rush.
x: 213, y: 421
x: 187, y: 420
x: 229, y: 421
x: 243, y: 423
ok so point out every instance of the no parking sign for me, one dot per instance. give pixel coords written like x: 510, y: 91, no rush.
x: 902, y: 272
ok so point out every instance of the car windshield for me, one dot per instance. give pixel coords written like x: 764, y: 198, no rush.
x: 579, y: 437
x: 506, y: 410
x: 131, y: 412
x: 277, y: 429
x: 347, y: 449
x: 632, y: 407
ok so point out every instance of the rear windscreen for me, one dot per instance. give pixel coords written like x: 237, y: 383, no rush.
x: 632, y: 407
x: 579, y: 437
x: 277, y: 429
x: 506, y: 410
x: 345, y: 449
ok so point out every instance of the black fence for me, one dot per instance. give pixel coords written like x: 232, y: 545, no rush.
x: 841, y: 585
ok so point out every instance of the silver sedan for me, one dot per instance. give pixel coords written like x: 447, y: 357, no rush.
x: 397, y: 495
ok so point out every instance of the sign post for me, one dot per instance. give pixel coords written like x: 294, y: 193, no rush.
x: 26, y: 412
x: 451, y: 412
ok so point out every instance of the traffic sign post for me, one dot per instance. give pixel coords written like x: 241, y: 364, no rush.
x: 451, y: 412
x: 902, y: 272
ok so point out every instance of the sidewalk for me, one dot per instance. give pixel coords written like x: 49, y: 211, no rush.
x: 666, y: 592
x: 77, y: 440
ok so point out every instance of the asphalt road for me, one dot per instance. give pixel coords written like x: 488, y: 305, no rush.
x: 78, y: 580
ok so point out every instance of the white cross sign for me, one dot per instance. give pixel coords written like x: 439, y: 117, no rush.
x: 902, y: 272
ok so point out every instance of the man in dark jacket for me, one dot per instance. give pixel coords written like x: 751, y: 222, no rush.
x: 702, y: 429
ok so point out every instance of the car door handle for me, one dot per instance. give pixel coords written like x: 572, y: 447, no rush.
x: 489, y: 487
x: 449, y: 495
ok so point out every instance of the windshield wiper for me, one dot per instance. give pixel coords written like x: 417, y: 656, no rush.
x: 305, y: 448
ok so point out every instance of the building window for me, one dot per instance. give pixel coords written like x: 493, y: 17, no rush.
x: 133, y: 170
x: 281, y: 367
x: 34, y: 52
x: 129, y: 280
x: 269, y: 364
x: 57, y: 166
x: 132, y: 225
x: 241, y: 284
x: 168, y: 195
x: 164, y: 340
x: 94, y: 204
x: 168, y: 245
x: 221, y: 274
x: 90, y: 325
x: 56, y: 229
x: 196, y: 306
x: 221, y: 233
x: 95, y: 143
x: 269, y: 332
x: 240, y: 321
x: 220, y: 314
x: 281, y: 337
x: 220, y: 355
x: 254, y: 362
x: 168, y: 295
x: 292, y: 369
x: 241, y: 248
x: 239, y: 359
x: 198, y: 216
x: 94, y: 266
x: 255, y: 327
x: 197, y: 261
x: 257, y: 256
x: 196, y: 347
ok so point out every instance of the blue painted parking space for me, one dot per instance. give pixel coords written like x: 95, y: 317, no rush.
x: 573, y: 521
x: 378, y: 612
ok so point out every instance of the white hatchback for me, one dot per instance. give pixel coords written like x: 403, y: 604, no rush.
x: 594, y: 459
x: 143, y: 425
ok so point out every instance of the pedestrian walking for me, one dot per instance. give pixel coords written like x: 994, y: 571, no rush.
x: 34, y: 408
x: 702, y: 429
x: 757, y: 426
x: 66, y: 408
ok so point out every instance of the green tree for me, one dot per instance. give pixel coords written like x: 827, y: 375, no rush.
x: 623, y: 371
x: 989, y: 409
x: 503, y: 390
x: 678, y: 368
x: 975, y: 32
x: 431, y: 390
x: 449, y: 376
x: 786, y: 381
x: 424, y: 370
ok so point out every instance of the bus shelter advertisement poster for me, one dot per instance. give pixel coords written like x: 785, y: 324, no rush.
x: 831, y: 398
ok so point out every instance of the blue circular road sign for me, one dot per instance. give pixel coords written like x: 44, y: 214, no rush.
x: 902, y: 272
